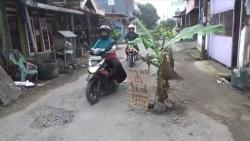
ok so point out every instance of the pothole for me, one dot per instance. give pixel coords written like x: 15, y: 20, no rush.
x: 51, y: 116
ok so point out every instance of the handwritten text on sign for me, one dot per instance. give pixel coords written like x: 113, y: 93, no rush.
x: 138, y: 89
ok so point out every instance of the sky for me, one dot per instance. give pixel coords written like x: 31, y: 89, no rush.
x: 164, y: 8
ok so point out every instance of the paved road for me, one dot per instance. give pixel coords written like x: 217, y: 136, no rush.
x: 65, y: 115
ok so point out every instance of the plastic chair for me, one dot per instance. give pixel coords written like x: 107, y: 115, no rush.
x: 25, y: 68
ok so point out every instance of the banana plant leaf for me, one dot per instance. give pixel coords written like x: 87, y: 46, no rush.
x: 187, y: 33
x: 148, y: 43
x: 142, y: 29
x: 151, y: 59
x: 116, y: 35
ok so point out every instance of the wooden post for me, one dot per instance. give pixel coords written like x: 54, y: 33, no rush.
x: 89, y: 28
x: 22, y: 33
x: 72, y: 22
x: 30, y: 29
x: 4, y: 30
x: 204, y: 23
x: 235, y: 31
x: 73, y: 41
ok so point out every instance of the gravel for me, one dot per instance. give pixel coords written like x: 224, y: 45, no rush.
x: 50, y: 116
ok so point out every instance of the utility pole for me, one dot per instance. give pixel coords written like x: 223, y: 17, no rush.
x: 204, y: 4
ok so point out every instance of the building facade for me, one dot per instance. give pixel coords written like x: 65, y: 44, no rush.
x: 118, y: 13
x: 31, y: 26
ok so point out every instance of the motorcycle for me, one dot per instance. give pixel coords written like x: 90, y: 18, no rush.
x: 99, y: 80
x: 132, y: 55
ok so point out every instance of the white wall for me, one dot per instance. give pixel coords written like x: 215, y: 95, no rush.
x: 218, y: 6
x: 199, y: 42
x: 220, y: 49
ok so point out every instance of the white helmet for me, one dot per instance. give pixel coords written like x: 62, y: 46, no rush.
x: 105, y: 27
x: 131, y: 26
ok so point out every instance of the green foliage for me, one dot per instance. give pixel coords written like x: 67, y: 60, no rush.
x: 144, y: 32
x: 148, y: 15
x: 158, y: 58
x: 116, y: 35
x: 187, y: 33
x: 165, y: 33
x: 168, y: 24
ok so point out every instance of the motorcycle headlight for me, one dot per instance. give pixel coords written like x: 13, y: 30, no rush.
x: 94, y: 69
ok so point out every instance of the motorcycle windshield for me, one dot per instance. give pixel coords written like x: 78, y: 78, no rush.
x: 94, y: 62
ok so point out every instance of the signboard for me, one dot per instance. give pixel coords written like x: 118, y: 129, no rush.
x: 111, y: 2
x: 138, y: 94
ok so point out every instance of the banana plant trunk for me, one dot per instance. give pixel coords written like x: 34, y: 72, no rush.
x: 162, y: 80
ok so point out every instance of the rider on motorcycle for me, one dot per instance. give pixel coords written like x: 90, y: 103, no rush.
x: 107, y: 43
x: 131, y: 35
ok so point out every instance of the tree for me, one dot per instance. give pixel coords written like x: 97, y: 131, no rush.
x: 168, y: 24
x: 148, y: 15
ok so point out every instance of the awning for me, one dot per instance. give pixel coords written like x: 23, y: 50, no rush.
x: 67, y: 34
x: 31, y: 3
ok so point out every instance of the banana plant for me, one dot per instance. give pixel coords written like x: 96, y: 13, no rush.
x: 116, y: 35
x: 159, y: 57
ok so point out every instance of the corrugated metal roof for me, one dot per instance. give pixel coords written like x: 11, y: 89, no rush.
x: 8, y: 90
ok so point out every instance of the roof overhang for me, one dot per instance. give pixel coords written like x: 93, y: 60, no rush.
x: 191, y: 5
x: 60, y: 9
x: 181, y: 14
x: 116, y: 14
x: 32, y: 3
x: 98, y: 10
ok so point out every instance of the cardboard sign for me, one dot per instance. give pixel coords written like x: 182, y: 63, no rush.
x: 138, y: 94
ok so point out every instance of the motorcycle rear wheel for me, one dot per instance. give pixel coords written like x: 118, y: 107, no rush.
x: 92, y: 91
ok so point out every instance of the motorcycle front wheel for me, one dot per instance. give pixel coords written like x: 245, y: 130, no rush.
x: 92, y: 91
x: 130, y: 60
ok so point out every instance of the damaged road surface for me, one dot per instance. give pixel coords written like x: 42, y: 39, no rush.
x: 65, y: 115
